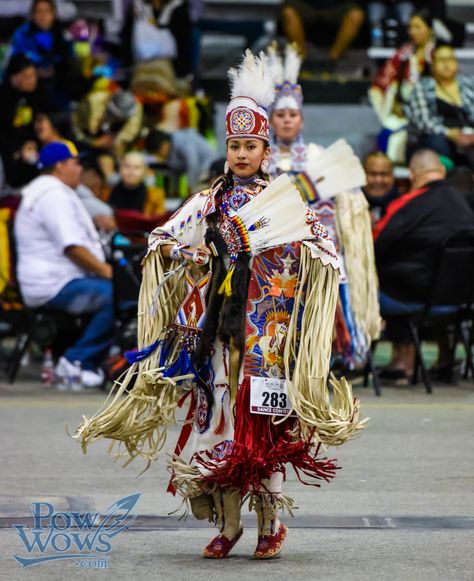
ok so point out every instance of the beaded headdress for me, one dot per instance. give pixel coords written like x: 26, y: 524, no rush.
x: 252, y: 93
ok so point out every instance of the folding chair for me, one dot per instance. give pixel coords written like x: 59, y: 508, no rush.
x: 449, y: 303
x: 126, y: 278
x: 371, y: 369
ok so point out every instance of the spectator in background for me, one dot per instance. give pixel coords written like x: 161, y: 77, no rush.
x: 51, y: 127
x: 93, y: 177
x: 107, y: 121
x: 22, y: 168
x: 441, y: 110
x: 407, y: 241
x: 133, y: 193
x: 394, y: 82
x: 380, y: 189
x: 184, y: 151
x: 20, y: 100
x: 100, y: 212
x: 91, y: 193
x: 48, y: 127
x: 299, y: 17
x: 43, y: 41
x: 61, y: 263
x: 66, y: 10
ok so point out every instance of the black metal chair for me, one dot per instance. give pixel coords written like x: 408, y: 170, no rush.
x: 126, y: 278
x: 371, y: 369
x: 449, y: 303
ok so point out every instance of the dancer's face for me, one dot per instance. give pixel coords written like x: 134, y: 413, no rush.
x: 287, y: 124
x: 244, y: 156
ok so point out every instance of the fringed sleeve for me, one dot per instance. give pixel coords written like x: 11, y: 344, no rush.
x: 355, y: 235
x: 307, y: 355
x: 142, y: 404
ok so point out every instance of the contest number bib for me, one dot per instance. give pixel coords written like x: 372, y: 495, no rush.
x: 269, y: 396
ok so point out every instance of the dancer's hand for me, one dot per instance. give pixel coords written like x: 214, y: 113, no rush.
x: 195, y: 254
x: 198, y: 254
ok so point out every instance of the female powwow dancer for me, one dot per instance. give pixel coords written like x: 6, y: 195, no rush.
x: 236, y: 316
x: 329, y: 181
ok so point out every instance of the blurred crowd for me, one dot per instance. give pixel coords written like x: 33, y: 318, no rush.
x: 126, y: 126
x: 63, y: 81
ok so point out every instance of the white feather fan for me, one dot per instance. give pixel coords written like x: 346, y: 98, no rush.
x: 335, y: 169
x: 276, y: 216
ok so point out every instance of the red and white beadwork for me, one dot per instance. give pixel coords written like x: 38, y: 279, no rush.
x: 244, y: 118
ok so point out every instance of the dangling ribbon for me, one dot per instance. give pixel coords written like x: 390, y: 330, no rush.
x: 226, y: 286
x: 140, y: 354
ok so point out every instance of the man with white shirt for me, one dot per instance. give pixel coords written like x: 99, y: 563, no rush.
x: 61, y: 263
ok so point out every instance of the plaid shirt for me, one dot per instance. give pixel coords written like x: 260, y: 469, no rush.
x: 422, y: 112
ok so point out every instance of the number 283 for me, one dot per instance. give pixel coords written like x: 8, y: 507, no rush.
x: 274, y: 399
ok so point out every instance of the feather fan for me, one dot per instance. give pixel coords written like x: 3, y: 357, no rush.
x: 335, y: 169
x: 276, y: 216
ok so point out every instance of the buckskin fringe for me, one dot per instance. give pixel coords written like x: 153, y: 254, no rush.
x: 307, y: 356
x: 138, y: 416
x: 186, y: 478
x: 355, y: 234
x: 271, y: 502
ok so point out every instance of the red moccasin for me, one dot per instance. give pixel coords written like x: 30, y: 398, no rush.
x: 220, y: 546
x: 269, y: 546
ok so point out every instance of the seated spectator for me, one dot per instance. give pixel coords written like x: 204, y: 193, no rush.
x: 184, y: 151
x: 299, y: 17
x: 93, y: 177
x: 133, y: 193
x: 52, y: 127
x: 42, y: 40
x: 23, y: 168
x: 61, y: 264
x: 407, y: 241
x: 94, y: 191
x: 20, y: 101
x: 108, y: 121
x: 48, y: 127
x: 380, y: 189
x: 66, y: 10
x: 394, y: 82
x: 441, y: 110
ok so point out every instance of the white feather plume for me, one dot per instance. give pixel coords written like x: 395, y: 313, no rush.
x: 335, y: 169
x: 292, y: 64
x: 276, y: 64
x: 252, y: 79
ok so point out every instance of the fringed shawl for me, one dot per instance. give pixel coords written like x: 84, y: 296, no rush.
x: 143, y: 403
x: 355, y: 236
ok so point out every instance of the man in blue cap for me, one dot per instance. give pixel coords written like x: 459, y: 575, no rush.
x: 61, y: 263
